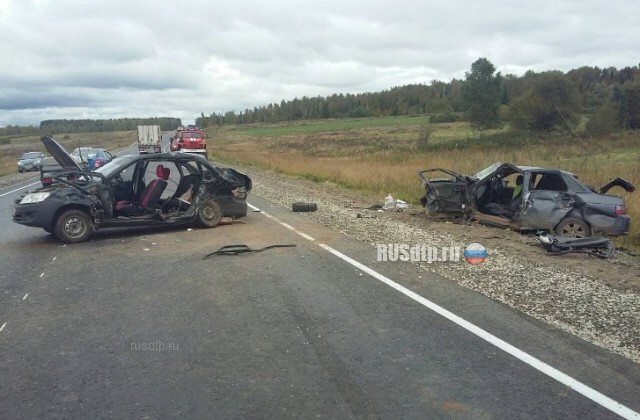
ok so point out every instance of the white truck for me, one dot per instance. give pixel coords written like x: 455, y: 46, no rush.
x: 149, y: 137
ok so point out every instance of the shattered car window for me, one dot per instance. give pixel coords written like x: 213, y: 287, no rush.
x: 487, y: 171
x: 551, y: 182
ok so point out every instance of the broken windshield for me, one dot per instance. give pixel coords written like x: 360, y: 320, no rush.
x: 487, y: 171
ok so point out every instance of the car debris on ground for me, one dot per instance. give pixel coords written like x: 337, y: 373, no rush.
x: 244, y: 249
x: 596, y: 300
x: 558, y: 245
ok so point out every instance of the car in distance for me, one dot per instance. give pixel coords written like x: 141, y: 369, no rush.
x: 92, y: 157
x: 527, y: 198
x: 30, y: 161
x: 152, y: 190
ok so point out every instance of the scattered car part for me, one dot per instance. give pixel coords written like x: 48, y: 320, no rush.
x: 304, y: 207
x: 243, y: 249
x: 558, y: 245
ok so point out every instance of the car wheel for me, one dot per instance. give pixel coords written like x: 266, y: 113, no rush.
x: 73, y: 226
x: 572, y: 227
x: 304, y: 207
x: 20, y: 170
x: 209, y: 214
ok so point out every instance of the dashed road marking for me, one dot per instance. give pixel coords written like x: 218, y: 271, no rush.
x: 3, y: 325
x: 539, y: 365
x: 25, y: 296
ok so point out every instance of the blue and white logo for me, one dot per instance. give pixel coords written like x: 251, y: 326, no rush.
x: 475, y: 253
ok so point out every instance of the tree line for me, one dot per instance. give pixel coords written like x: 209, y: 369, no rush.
x: 66, y: 126
x: 537, y: 101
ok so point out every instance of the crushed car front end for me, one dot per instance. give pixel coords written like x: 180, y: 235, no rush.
x: 39, y: 208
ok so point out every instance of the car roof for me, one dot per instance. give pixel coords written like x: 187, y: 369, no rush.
x: 539, y: 169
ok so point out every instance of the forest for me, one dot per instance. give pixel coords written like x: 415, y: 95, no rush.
x: 596, y: 100
x: 542, y: 101
x: 66, y: 126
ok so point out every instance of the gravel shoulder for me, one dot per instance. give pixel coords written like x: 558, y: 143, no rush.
x: 594, y: 299
x: 597, y: 300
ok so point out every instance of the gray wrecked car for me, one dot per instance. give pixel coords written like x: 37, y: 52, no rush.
x: 527, y: 198
x: 160, y: 189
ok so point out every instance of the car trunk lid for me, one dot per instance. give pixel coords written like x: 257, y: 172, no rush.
x: 618, y: 182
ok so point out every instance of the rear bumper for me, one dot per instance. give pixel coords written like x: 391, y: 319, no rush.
x: 232, y: 207
x: 620, y: 226
x: 185, y: 150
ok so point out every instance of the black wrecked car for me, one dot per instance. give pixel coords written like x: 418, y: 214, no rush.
x: 166, y: 189
x: 527, y: 198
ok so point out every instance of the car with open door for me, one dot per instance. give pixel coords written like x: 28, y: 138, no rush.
x: 527, y: 198
x: 166, y: 189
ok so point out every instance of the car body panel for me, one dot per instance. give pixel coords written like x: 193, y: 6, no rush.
x: 123, y: 180
x: 548, y: 197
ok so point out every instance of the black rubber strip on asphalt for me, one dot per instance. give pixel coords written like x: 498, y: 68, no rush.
x: 243, y: 249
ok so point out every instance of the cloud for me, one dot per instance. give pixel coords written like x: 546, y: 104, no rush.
x: 142, y: 58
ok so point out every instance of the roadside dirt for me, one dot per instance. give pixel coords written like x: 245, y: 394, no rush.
x: 597, y: 300
x: 621, y: 272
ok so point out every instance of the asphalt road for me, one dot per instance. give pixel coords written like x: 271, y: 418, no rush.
x: 136, y: 324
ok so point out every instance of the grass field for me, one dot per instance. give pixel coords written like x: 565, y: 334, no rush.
x: 376, y: 156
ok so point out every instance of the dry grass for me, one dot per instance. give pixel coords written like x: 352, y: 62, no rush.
x: 378, y: 160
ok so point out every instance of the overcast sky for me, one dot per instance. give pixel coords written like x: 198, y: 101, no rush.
x: 107, y: 59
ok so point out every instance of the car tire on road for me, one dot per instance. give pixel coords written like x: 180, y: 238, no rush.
x: 73, y: 226
x: 573, y: 227
x: 209, y: 214
x: 304, y: 207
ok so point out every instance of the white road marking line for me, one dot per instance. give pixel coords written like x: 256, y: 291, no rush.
x: 254, y: 208
x: 563, y: 378
x: 54, y: 258
x: 288, y: 226
x: 18, y: 189
x: 3, y: 325
x: 42, y: 274
x: 25, y: 296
